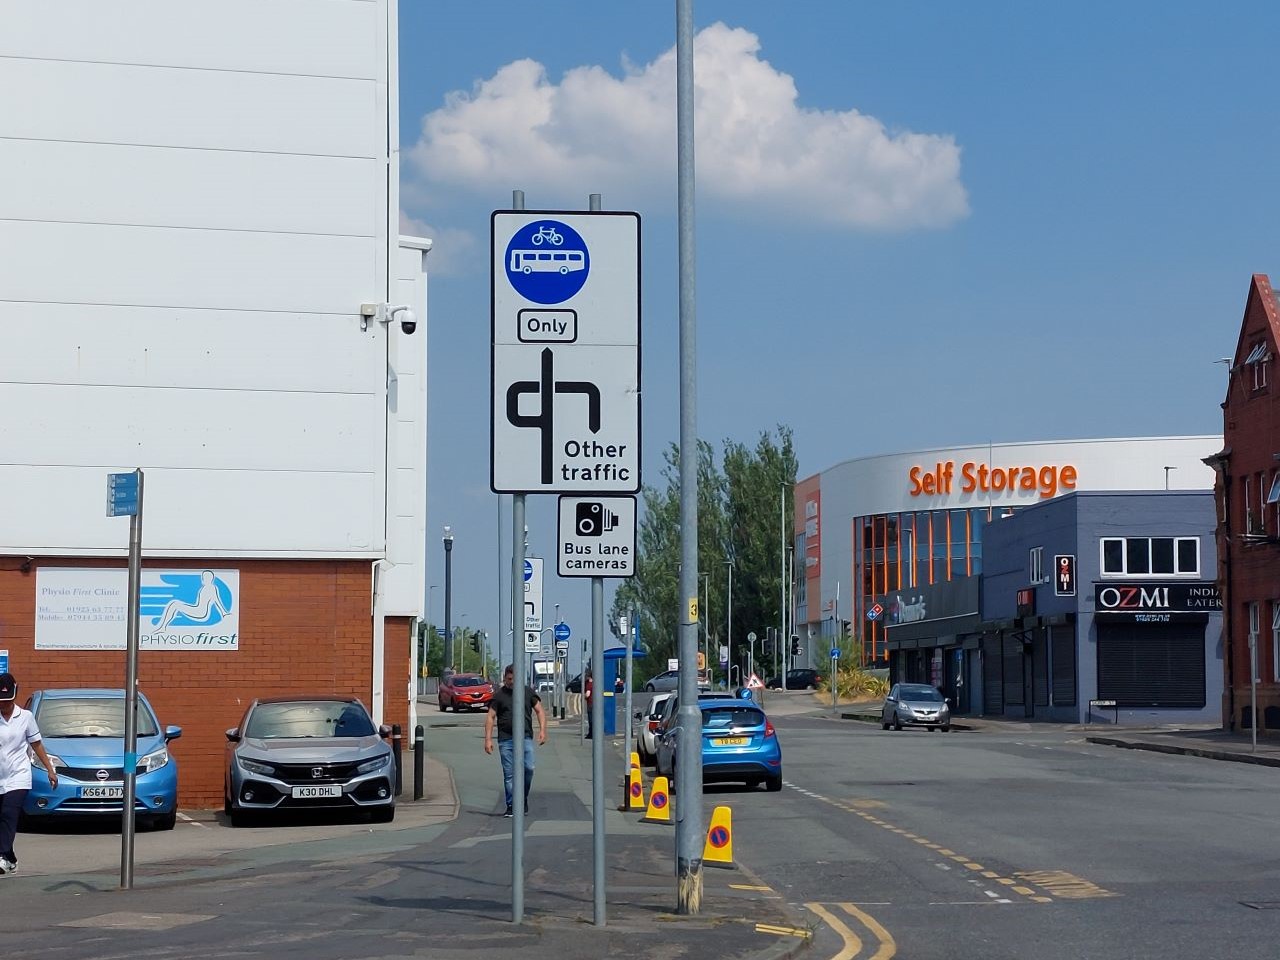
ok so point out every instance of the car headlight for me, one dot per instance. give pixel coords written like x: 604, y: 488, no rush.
x: 154, y: 760
x: 253, y: 766
x: 377, y: 763
x: 53, y: 759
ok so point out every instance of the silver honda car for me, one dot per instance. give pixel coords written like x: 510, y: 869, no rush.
x: 308, y: 754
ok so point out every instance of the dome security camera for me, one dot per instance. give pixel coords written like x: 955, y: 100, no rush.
x: 408, y: 319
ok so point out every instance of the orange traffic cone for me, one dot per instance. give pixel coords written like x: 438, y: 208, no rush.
x: 718, y: 850
x: 659, y: 808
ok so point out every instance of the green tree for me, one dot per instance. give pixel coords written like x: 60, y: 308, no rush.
x: 738, y: 520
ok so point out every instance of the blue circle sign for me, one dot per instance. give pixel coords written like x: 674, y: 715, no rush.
x: 835, y: 653
x: 562, y: 631
x: 547, y: 261
x: 528, y: 570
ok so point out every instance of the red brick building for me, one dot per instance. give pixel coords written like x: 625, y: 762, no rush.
x: 1248, y: 494
x: 310, y: 632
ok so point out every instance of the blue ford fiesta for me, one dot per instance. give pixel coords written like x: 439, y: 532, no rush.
x: 738, y: 744
x: 83, y: 733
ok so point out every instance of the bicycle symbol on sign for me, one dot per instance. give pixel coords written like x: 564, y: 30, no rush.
x: 549, y: 234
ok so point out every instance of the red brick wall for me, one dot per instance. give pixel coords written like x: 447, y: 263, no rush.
x: 1251, y: 433
x: 305, y: 627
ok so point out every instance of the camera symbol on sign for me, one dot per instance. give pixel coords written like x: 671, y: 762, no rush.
x: 591, y: 519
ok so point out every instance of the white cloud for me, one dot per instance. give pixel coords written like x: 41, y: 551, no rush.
x: 451, y: 249
x: 756, y: 147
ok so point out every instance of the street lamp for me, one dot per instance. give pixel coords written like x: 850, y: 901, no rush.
x: 448, y: 597
x: 728, y: 617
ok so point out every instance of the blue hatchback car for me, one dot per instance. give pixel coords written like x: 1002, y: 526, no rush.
x: 739, y: 744
x: 83, y: 733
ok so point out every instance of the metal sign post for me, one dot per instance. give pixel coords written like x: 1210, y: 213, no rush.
x: 564, y: 409
x: 124, y: 498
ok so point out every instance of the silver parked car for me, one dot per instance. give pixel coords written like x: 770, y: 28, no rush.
x: 308, y: 754
x: 915, y: 705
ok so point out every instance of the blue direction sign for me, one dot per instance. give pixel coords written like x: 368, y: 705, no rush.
x: 835, y: 653
x: 122, y: 494
x: 562, y: 631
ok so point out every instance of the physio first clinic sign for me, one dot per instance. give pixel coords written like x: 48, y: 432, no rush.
x: 975, y: 477
x: 80, y: 608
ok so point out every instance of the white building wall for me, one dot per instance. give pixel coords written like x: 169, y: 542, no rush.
x: 200, y: 196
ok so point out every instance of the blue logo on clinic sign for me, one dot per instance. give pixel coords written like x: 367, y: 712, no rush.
x: 528, y: 570
x: 185, y: 600
x: 547, y: 261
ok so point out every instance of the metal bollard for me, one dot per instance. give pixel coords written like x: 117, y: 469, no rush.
x: 419, y: 761
x: 396, y: 736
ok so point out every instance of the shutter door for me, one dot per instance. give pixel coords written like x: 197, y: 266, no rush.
x: 992, y: 686
x: 1151, y: 664
x: 1040, y: 667
x: 1063, y: 644
x: 1013, y: 690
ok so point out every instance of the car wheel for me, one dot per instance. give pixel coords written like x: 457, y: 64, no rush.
x: 240, y: 818
x: 946, y: 728
x: 441, y: 705
x: 884, y: 725
x: 931, y: 729
x: 649, y: 687
x: 384, y: 814
x: 773, y: 784
x: 897, y: 722
x: 166, y: 821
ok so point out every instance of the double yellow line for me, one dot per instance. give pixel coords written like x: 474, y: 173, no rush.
x: 886, y: 946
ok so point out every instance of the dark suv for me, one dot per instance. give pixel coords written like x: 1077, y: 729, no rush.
x: 802, y: 678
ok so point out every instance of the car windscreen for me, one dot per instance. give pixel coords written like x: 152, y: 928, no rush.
x: 920, y: 694
x: 308, y: 718
x: 89, y: 717
x: 719, y: 718
x: 469, y: 682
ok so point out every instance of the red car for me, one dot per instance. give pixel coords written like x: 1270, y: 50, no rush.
x: 465, y: 691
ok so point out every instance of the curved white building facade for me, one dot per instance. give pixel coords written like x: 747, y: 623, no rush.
x: 872, y: 525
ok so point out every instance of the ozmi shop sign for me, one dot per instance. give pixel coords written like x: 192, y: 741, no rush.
x: 1156, y: 602
x: 975, y: 477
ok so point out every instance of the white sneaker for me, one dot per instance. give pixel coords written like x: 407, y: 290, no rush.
x: 8, y: 866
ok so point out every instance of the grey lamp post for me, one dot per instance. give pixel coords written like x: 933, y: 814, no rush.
x: 448, y: 598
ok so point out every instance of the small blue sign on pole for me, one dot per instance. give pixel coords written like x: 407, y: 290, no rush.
x: 562, y: 631
x: 4, y: 661
x: 122, y: 494
x: 835, y: 653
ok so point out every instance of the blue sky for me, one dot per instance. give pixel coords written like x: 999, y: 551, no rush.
x: 918, y: 224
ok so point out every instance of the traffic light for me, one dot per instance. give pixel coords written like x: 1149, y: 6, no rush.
x: 475, y: 642
x: 767, y: 649
x: 795, y: 645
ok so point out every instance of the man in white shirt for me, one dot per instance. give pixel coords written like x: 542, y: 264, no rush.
x: 18, y: 732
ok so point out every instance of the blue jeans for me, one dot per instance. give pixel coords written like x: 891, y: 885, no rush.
x: 507, y: 751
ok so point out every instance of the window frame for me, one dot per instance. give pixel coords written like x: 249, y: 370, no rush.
x: 1176, y: 574
x: 1035, y: 561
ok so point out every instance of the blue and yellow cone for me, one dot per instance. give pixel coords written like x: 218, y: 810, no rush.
x: 659, y: 808
x: 718, y: 850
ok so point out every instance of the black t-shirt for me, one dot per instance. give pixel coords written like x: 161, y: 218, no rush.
x: 502, y: 706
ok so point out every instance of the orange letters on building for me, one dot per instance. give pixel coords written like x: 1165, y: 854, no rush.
x: 984, y: 478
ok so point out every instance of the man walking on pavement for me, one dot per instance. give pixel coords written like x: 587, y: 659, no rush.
x: 18, y: 732
x: 500, y: 715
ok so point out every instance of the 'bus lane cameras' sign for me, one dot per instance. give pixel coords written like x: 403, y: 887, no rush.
x: 565, y: 331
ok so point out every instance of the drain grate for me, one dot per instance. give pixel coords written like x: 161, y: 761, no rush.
x: 1261, y: 904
